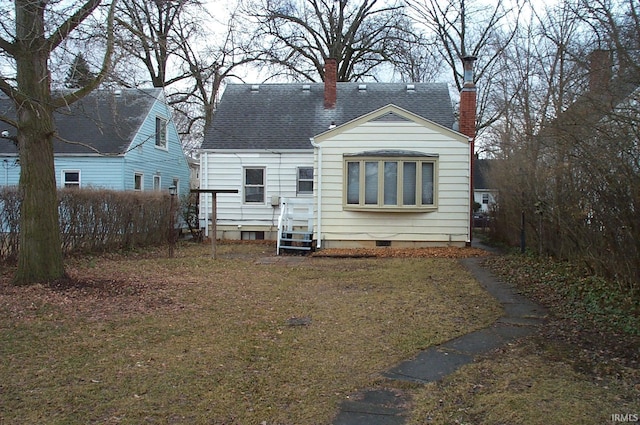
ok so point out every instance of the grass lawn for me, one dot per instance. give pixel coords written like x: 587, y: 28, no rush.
x: 140, y: 338
x: 532, y: 382
x: 580, y: 368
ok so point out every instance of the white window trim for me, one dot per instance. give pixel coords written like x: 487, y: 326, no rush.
x: 244, y: 185
x: 141, y: 181
x: 166, y: 133
x: 381, y: 159
x: 64, y: 178
x: 298, y: 180
x: 157, y: 178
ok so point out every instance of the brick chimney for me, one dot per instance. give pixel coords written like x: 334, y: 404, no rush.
x: 467, y: 125
x: 330, y: 79
x: 468, y: 100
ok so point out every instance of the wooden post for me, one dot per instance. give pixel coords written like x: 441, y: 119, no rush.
x: 214, y: 230
x: 214, y: 227
x: 172, y: 220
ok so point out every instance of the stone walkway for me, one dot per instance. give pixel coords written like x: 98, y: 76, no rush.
x: 386, y: 407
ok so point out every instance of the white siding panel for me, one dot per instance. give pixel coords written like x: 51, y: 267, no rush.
x: 225, y: 171
x: 450, y: 222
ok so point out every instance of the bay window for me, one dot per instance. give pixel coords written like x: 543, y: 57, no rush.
x: 400, y: 181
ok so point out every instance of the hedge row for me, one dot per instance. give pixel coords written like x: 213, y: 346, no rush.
x: 93, y: 220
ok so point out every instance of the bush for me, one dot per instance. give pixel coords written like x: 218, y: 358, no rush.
x: 94, y: 220
x: 573, y: 292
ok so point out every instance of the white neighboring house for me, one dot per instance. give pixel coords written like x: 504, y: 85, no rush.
x: 483, y: 193
x: 333, y: 144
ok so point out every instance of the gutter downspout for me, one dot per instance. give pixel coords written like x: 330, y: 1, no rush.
x: 319, y: 197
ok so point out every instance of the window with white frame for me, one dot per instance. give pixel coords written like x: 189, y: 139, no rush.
x: 305, y: 180
x: 138, y: 180
x: 161, y: 132
x: 254, y: 188
x: 71, y: 178
x: 485, y: 198
x: 157, y: 183
x: 384, y: 180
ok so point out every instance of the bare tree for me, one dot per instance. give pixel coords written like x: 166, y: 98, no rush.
x: 418, y: 61
x: 573, y: 174
x: 209, y: 59
x: 38, y: 31
x: 178, y: 36
x: 148, y: 34
x: 298, y: 35
x: 469, y: 28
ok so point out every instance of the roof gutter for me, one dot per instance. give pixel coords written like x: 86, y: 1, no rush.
x: 319, y: 197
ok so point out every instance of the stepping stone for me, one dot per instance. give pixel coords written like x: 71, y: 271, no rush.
x: 373, y: 407
x: 430, y: 365
x: 475, y: 343
x: 521, y: 318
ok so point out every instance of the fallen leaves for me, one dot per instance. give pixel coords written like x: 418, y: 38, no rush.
x: 91, y: 293
x: 430, y: 252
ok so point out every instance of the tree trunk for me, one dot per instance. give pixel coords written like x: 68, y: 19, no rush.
x: 40, y: 257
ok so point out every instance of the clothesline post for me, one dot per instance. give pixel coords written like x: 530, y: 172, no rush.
x: 214, y: 193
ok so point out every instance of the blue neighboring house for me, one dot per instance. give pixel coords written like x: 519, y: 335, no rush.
x: 111, y: 139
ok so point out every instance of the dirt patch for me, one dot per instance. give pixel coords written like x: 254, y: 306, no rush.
x: 591, y: 351
x: 104, y: 288
x: 86, y: 294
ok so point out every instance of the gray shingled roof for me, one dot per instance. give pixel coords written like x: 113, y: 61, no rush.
x: 285, y: 116
x: 105, y: 120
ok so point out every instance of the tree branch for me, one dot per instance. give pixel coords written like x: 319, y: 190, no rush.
x: 7, y: 46
x: 63, y: 31
x: 106, y: 65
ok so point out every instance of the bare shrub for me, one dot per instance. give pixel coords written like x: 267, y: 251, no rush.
x: 94, y: 220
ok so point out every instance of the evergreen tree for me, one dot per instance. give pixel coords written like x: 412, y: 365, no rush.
x: 79, y: 74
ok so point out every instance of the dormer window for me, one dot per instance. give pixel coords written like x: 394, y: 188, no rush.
x: 161, y: 132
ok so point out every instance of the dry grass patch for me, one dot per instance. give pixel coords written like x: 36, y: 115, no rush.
x: 577, y: 369
x: 144, y: 339
x: 534, y: 382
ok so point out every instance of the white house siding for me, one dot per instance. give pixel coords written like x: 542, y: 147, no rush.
x: 448, y: 225
x: 224, y: 170
x: 478, y: 195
